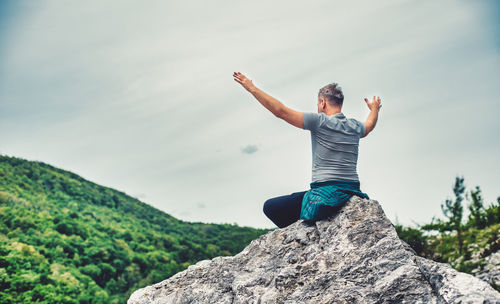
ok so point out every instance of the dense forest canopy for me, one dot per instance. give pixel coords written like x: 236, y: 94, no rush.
x: 64, y: 239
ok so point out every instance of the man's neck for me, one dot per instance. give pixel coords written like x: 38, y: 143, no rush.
x: 332, y: 111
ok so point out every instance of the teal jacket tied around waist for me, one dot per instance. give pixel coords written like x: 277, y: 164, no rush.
x: 325, y: 198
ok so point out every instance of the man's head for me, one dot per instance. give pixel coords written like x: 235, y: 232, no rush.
x: 330, y: 98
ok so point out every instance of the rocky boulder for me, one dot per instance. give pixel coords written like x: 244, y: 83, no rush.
x: 353, y: 257
x: 490, y: 271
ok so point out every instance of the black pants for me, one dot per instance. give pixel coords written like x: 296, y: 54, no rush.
x: 284, y: 210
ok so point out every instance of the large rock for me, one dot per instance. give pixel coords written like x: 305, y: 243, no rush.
x: 490, y: 271
x: 354, y: 257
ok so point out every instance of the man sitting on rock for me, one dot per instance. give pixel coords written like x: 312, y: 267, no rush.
x: 334, y: 139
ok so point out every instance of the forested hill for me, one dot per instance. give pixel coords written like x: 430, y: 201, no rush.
x: 64, y: 239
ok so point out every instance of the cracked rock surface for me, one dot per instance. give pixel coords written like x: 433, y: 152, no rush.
x: 491, y: 271
x: 353, y: 257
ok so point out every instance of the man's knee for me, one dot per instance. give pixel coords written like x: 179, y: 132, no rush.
x: 268, y: 207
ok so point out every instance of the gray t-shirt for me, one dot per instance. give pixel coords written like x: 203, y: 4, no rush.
x: 334, y: 142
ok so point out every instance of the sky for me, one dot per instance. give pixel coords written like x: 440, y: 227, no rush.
x: 139, y: 96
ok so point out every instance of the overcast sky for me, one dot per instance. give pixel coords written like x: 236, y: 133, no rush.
x: 139, y: 96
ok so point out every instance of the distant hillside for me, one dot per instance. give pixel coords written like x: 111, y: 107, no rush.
x: 64, y: 239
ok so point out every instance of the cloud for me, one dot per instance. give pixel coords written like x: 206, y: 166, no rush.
x: 250, y: 149
x: 140, y: 196
x: 184, y: 213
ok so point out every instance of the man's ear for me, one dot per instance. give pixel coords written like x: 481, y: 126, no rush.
x: 322, y: 104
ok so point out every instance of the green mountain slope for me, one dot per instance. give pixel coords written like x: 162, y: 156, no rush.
x: 64, y: 239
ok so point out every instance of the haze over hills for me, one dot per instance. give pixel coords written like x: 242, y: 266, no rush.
x: 65, y: 239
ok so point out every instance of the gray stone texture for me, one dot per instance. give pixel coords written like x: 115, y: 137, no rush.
x: 353, y: 257
x: 490, y: 272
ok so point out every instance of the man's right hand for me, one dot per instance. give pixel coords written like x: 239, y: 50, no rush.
x: 244, y: 81
x: 374, y: 104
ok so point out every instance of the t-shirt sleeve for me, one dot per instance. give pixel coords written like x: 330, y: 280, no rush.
x: 311, y: 120
x: 362, y: 128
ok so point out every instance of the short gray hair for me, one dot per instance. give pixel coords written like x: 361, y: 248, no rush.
x: 332, y: 93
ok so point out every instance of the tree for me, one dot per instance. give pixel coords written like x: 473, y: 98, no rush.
x: 477, y: 217
x: 453, y: 210
x: 492, y: 213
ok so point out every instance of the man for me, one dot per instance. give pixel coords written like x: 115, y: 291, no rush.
x: 334, y: 140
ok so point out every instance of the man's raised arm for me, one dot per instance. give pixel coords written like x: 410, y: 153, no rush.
x: 279, y: 110
x: 371, y: 120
